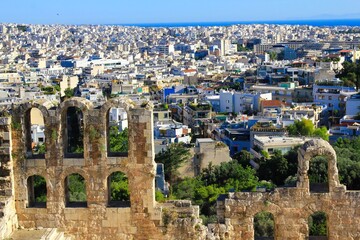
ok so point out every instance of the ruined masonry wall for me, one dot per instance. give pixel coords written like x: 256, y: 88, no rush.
x: 142, y: 220
x: 8, y: 217
x: 291, y: 207
x: 145, y: 218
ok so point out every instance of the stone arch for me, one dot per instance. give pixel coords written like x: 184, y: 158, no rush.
x: 84, y: 106
x: 24, y: 111
x: 36, y: 191
x: 123, y: 103
x: 311, y: 149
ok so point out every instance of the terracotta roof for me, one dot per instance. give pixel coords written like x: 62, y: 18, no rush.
x: 271, y: 103
x: 189, y: 70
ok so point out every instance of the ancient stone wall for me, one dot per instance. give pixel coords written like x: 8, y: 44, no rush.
x: 291, y: 207
x: 143, y: 219
x: 8, y: 217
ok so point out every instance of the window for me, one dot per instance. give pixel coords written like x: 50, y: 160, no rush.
x: 34, y: 134
x: 117, y: 133
x: 36, y: 186
x: 74, y: 133
x: 118, y: 190
x: 318, y: 225
x: 75, y: 191
x: 264, y: 226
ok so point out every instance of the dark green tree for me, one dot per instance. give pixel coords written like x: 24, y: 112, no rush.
x: 243, y: 157
x: 69, y: 92
x: 119, y: 187
x: 264, y: 225
x: 39, y: 188
x: 318, y: 170
x: 317, y: 224
x: 274, y: 169
x: 350, y: 73
x: 76, y: 188
x: 173, y: 158
x: 118, y: 140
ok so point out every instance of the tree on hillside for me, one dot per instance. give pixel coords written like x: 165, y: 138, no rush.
x: 274, y: 169
x: 173, y: 158
x: 350, y: 73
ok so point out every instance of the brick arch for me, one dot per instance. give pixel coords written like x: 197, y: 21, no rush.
x: 313, y: 148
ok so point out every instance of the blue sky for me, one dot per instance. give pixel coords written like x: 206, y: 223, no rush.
x: 169, y: 11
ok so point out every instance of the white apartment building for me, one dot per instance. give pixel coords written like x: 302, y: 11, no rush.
x: 353, y: 104
x: 332, y: 94
x: 118, y: 117
x: 231, y: 101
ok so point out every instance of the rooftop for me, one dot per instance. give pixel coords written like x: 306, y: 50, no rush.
x: 281, y: 140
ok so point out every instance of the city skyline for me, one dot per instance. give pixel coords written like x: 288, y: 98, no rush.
x: 160, y: 11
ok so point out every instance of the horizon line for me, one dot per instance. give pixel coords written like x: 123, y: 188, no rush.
x: 228, y: 22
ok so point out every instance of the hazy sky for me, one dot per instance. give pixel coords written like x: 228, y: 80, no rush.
x: 169, y: 11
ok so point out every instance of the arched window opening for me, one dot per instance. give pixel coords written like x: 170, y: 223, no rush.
x: 318, y: 226
x: 74, y: 133
x: 264, y: 226
x: 117, y: 132
x: 75, y: 191
x: 34, y: 134
x: 36, y: 191
x: 318, y: 174
x: 118, y: 190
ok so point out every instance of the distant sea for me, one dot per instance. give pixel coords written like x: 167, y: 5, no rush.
x: 318, y: 23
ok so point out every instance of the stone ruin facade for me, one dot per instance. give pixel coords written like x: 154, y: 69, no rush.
x: 144, y: 218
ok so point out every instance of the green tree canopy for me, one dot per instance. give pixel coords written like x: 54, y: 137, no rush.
x: 350, y: 73
x: 69, y: 92
x: 305, y: 127
x: 118, y: 140
x: 264, y: 224
x: 173, y: 158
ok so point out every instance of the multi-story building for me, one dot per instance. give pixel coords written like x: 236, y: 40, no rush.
x: 195, y: 114
x: 353, y: 104
x: 270, y: 144
x: 332, y: 93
